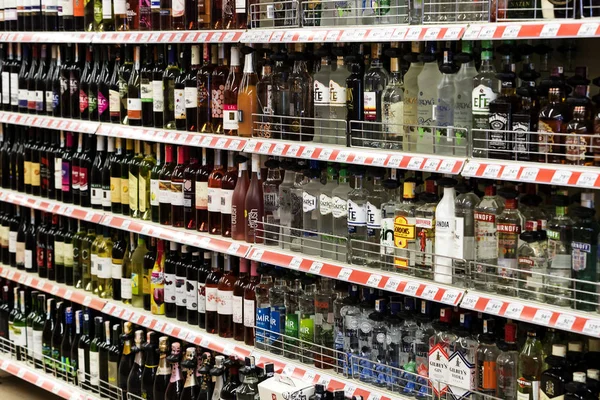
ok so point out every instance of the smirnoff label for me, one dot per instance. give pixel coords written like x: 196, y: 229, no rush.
x: 579, y: 254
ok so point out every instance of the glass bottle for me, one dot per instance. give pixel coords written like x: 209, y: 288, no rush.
x: 163, y: 372
x: 250, y: 310
x: 357, y: 220
x: 530, y: 367
x: 177, y: 195
x: 263, y: 311
x: 405, y: 229
x: 191, y: 91
x: 211, y: 293
x: 487, y: 359
x: 164, y: 187
x: 486, y: 250
x: 444, y: 112
x: 214, y: 195
x: 254, y: 205
x: 217, y: 90
x: 272, y: 202
x: 301, y: 100
x: 157, y: 281
x: 324, y: 320
x: 225, y: 300
x: 307, y: 324
x: 484, y: 92
x: 201, y: 195
x: 322, y: 101
x: 560, y: 237
x: 393, y: 106
x: 228, y: 184
x: 238, y: 300
x: 553, y: 119
x: 376, y: 80
x: 507, y: 364
x: 584, y: 258
x: 209, y: 57
x: 325, y: 221
x: 552, y: 381
x: 428, y: 80
x: 137, y: 267
x: 510, y: 224
x: 230, y: 95
x: 247, y: 102
x: 278, y: 314
x: 465, y: 204
x: 463, y: 96
x: 310, y: 210
x: 170, y: 75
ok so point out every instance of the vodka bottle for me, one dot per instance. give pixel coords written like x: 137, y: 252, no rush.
x: 377, y: 196
x: 339, y: 211
x: 324, y: 321
x: 285, y: 203
x: 486, y: 251
x: 301, y: 109
x: 393, y: 107
x: 407, y: 360
x: 485, y: 90
x: 337, y: 99
x: 532, y: 264
x: 376, y: 80
x: 394, y: 342
x: 310, y: 211
x: 272, y: 202
x: 388, y: 209
x: 296, y: 195
x: 425, y: 234
x: 444, y: 110
x: 340, y: 295
x: 510, y: 223
x: 291, y: 346
x: 379, y: 343
x: 278, y: 313
x: 463, y: 100
x: 506, y: 364
x: 350, y: 313
x: 411, y: 94
x: 325, y: 222
x: 428, y: 80
x: 263, y: 311
x: 307, y: 323
x: 365, y: 339
x: 357, y: 220
x: 404, y: 228
x: 560, y: 235
x: 322, y: 100
x: 424, y: 332
x: 464, y: 230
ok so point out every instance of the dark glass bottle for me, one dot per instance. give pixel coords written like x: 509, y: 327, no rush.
x: 250, y: 304
x: 500, y: 140
x: 133, y: 168
x: 67, y: 176
x: 115, y: 178
x: 50, y: 243
x: 85, y: 167
x: 150, y: 349
x: 164, y: 183
x: 584, y: 256
x: 201, y: 195
x: 177, y: 195
x: 75, y: 70
x: 96, y: 174
x: 107, y: 174
x: 214, y: 195
x: 225, y: 296
x: 179, y: 98
x: 175, y: 386
x: 59, y: 248
x: 134, y: 92
x: 102, y: 88
x: 180, y: 286
x: 84, y: 87
x: 192, y: 260
x: 66, y: 356
x: 124, y: 75
x: 158, y: 105
x: 46, y: 65
x: 189, y: 190
x: 125, y: 162
x: 13, y: 230
x: 189, y: 364
x: 114, y: 101
x: 69, y: 252
x: 113, y: 361
x: 553, y: 119
x: 203, y: 271
x: 163, y: 372
x: 146, y: 87
x: 228, y: 183
x: 238, y: 300
x: 191, y: 91
x: 126, y: 361
x: 211, y: 293
x: 47, y: 335
x: 134, y: 381
x: 148, y: 265
x: 204, y: 80
x: 217, y: 88
x: 170, y: 76
x: 40, y: 247
x: 170, y: 280
x: 553, y: 379
x: 83, y: 353
x: 57, y: 335
x: 78, y: 143
x: 118, y: 254
x: 65, y: 79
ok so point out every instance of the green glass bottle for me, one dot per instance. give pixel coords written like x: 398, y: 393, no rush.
x: 147, y: 163
x: 170, y: 75
x: 68, y: 255
x: 38, y: 329
x: 86, y: 258
x: 584, y: 255
x: 126, y: 285
x: 18, y: 335
x: 530, y: 367
x: 94, y: 258
x: 104, y: 265
x: 98, y: 26
x: 95, y: 354
x: 134, y: 189
x: 31, y: 316
x: 154, y: 185
x: 125, y: 163
x: 137, y: 272
x: 78, y: 239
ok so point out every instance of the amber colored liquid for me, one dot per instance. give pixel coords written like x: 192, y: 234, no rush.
x: 217, y: 88
x: 238, y: 202
x: 249, y: 294
x: 201, y: 208
x: 204, y: 14
x: 214, y: 217
x: 228, y: 183
x: 232, y: 87
x: 217, y: 14
x: 226, y: 320
x: 248, y: 105
x: 229, y: 15
x: 238, y: 291
x: 212, y: 281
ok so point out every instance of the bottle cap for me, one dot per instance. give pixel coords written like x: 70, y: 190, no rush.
x: 579, y: 377
x: 510, y: 333
x: 576, y: 347
x: 593, y: 374
x: 594, y: 344
x: 445, y: 315
x: 559, y: 350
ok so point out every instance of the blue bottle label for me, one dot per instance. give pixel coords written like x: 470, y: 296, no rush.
x: 276, y: 326
x: 263, y: 322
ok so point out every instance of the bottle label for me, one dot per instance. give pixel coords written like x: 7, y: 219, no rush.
x: 134, y: 108
x: 191, y: 97
x: 179, y: 97
x: 192, y: 295
x: 120, y: 7
x: 135, y: 284
x: 225, y: 302
x: 339, y: 207
x: 68, y: 255
x: 201, y: 298
x: 438, y: 368
x: 309, y: 202
x: 325, y: 204
x: 106, y: 197
x: 178, y: 8
x: 487, y: 236
x: 487, y: 375
x: 83, y: 100
x: 465, y: 245
x: 81, y: 372
x: 214, y: 200
x: 497, y: 136
x: 337, y: 94
x: 39, y: 100
x: 387, y: 235
x: 461, y: 372
x: 263, y: 324
x: 75, y: 177
x: 211, y: 298
x: 482, y: 97
x: 202, y: 195
x: 94, y: 264
x: 83, y: 179
x: 373, y: 217
x: 12, y: 241
x: 103, y: 103
x: 217, y: 102
x: 576, y: 146
x: 579, y: 254
x: 28, y: 259
x: 370, y: 106
x: 23, y: 94
x: 126, y: 292
x: 141, y: 198
x: 65, y: 178
x: 37, y: 345
x: 147, y: 92
x: 96, y: 198
x: 180, y: 293
x: 94, y: 368
x: 154, y: 192
x: 238, y: 309
x: 164, y: 191
x: 21, y: 253
x: 170, y: 292
x: 114, y: 103
x: 404, y: 236
x: 125, y: 191
x: 230, y: 117
x: 177, y: 194
x: 357, y: 215
x: 307, y: 329
x: 226, y: 201
x: 321, y: 93
x: 14, y: 89
x: 115, y: 190
x: 249, y: 313
x: 59, y: 253
x: 104, y: 268
x: 159, y: 97
x: 277, y: 313
x: 291, y: 327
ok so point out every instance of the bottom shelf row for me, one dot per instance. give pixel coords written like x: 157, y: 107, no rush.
x: 418, y: 350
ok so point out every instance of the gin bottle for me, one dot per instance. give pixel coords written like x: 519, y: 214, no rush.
x: 307, y: 324
x: 376, y: 80
x: 296, y: 197
x: 339, y: 211
x: 506, y: 364
x: 357, y: 220
x: 411, y: 94
x: 439, y: 352
x: 388, y: 209
x: 375, y: 199
x: 291, y: 346
x: 322, y: 100
x: 338, y: 98
x: 324, y: 323
x: 428, y: 80
x: 277, y: 316
x: 484, y: 92
x: 424, y: 332
x: 510, y: 224
x: 560, y: 237
x: 486, y: 250
x: 404, y: 228
x: 393, y: 106
x: 584, y: 258
x: 310, y: 211
x: 444, y: 109
x: 463, y: 101
x: 325, y: 222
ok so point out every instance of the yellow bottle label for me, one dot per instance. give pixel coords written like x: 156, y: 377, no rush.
x: 115, y: 190
x: 133, y: 192
x: 27, y: 172
x: 124, y: 191
x: 142, y: 200
x: 135, y: 284
x: 35, y: 174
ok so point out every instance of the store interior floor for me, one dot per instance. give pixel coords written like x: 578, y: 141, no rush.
x: 13, y: 388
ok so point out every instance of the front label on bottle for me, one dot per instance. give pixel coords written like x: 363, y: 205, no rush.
x: 339, y: 207
x: 487, y: 236
x: 28, y: 259
x: 201, y: 298
x: 66, y: 175
x: 357, y: 216
x: 576, y: 147
x: 94, y: 368
x: 226, y: 201
x: 179, y: 98
x: 508, y: 241
x: 191, y: 97
x: 177, y: 193
x: 211, y: 298
x: 125, y: 191
x: 81, y: 372
x: 373, y: 218
x: 238, y: 307
x: 482, y: 97
x: 59, y: 253
x: 217, y: 102
x: 201, y: 195
x: 370, y: 106
x: 438, y: 368
x: 170, y: 292
x: 192, y: 295
x: 68, y: 255
x: 277, y: 314
x: 404, y: 234
x: 6, y: 86
x: 21, y: 253
x: 83, y: 179
x: 337, y: 94
x: 309, y: 202
x: 12, y: 241
x: 178, y: 8
x: 114, y: 103
x: 225, y: 302
x: 154, y: 192
x: 83, y: 100
x: 126, y: 291
x: 134, y: 108
x: 461, y: 372
x: 96, y: 198
x: 159, y: 98
x: 465, y: 245
x: 325, y: 205
x: 249, y: 313
x: 104, y: 268
x: 499, y: 123
x: 579, y: 254
x: 147, y: 92
x: 115, y: 190
x: 230, y: 117
x: 164, y: 191
x: 321, y: 93
x: 307, y: 329
x: 263, y: 324
x: 180, y: 293
x: 214, y: 200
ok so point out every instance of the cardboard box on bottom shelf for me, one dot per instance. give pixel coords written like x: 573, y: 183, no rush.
x: 282, y: 387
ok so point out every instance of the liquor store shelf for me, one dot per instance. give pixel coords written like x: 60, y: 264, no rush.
x: 192, y: 334
x: 543, y: 29
x: 43, y: 380
x: 563, y: 318
x: 553, y: 174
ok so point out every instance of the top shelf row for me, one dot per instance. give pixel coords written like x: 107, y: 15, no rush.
x: 543, y: 29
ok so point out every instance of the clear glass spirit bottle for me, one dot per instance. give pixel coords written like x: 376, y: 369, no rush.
x: 560, y: 236
x: 307, y: 324
x: 296, y: 195
x: 291, y: 346
x: 310, y: 211
x: 404, y: 228
x: 272, y: 202
x: 278, y: 312
x: 532, y: 264
x: 377, y: 196
x: 357, y: 220
x: 411, y: 96
x: 463, y: 101
x: 285, y: 202
x: 375, y: 81
x: 301, y: 99
x: 486, y: 250
x: 325, y: 222
x: 322, y: 100
x: 428, y: 80
x: 263, y: 311
x: 388, y: 210
x: 339, y: 211
x: 444, y: 110
x: 324, y: 319
x: 425, y: 233
x: 393, y: 106
x: 337, y: 99
x: 465, y: 204
x: 510, y: 224
x: 507, y: 363
x: 485, y: 90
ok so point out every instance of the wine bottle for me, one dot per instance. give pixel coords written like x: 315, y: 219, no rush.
x: 47, y: 335
x: 18, y: 333
x: 91, y: 86
x: 155, y: 184
x: 85, y: 166
x: 94, y: 257
x: 191, y: 91
x: 209, y: 62
x: 214, y: 195
x: 175, y: 386
x: 103, y: 347
x: 125, y: 162
x: 134, y: 381
x: 146, y: 84
x: 137, y: 266
x: 124, y: 75
x: 179, y: 91
x: 114, y: 87
x: 30, y: 83
x: 250, y: 304
x: 37, y: 331
x: 126, y: 361
x: 126, y: 295
x: 238, y: 200
x: 84, y: 86
x: 78, y: 14
x: 41, y: 247
x: 158, y: 104
x: 78, y: 239
x: 58, y: 167
x: 96, y: 174
x: 4, y: 315
x: 68, y: 252
x: 133, y: 176
x: 103, y: 88
x: 211, y: 293
x: 115, y: 178
x: 22, y: 93
x: 164, y: 188
x: 189, y: 364
x: 145, y: 15
x: 65, y: 78
x: 13, y: 230
x: 106, y: 174
x: 254, y: 205
x: 45, y: 67
x: 146, y: 165
x: 201, y: 194
x: 170, y: 75
x: 83, y: 353
x: 217, y: 373
x: 228, y: 184
x: 203, y: 374
x: 170, y: 294
x: 149, y: 261
x: 134, y: 95
x: 163, y: 372
x: 177, y: 195
x: 66, y: 345
x: 59, y: 249
x: 225, y: 299
x: 75, y: 158
x: 85, y: 258
x: 31, y: 315
x: 180, y: 286
x: 238, y: 300
x: 67, y: 174
x: 150, y: 365
x: 29, y: 148
x: 233, y: 382
x: 113, y: 362
x: 104, y: 265
x: 192, y: 259
x: 230, y: 95
x: 217, y: 87
x: 57, y: 104
x: 57, y: 336
x: 117, y: 254
x: 203, y: 271
x: 157, y: 281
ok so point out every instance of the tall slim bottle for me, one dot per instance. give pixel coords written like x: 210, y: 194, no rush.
x: 214, y: 195
x: 247, y: 103
x: 254, y: 205
x: 230, y: 95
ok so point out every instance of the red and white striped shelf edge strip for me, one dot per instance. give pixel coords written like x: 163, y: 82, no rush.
x: 353, y: 155
x: 536, y: 313
x: 390, y: 282
x: 355, y: 34
x: 154, y: 37
x: 222, y: 142
x: 43, y: 380
x: 40, y: 121
x: 47, y: 37
x: 563, y: 175
x: 530, y: 30
x: 190, y: 238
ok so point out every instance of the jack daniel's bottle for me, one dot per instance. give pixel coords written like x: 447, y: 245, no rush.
x: 500, y: 136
